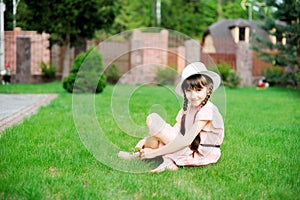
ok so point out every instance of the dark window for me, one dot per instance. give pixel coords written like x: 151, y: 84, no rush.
x: 280, y: 39
x: 242, y: 34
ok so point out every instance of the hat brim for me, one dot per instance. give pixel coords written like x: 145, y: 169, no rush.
x: 214, y: 77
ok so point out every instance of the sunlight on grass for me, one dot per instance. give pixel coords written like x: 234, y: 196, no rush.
x: 44, y: 156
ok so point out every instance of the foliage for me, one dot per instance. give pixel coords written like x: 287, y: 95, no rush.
x: 112, y: 74
x: 22, y: 12
x: 48, y: 72
x: 86, y: 74
x: 234, y: 10
x: 297, y: 75
x: 291, y: 79
x: 81, y: 18
x: 75, y: 18
x: 129, y: 14
x: 283, y: 23
x: 166, y: 76
x: 186, y: 16
x: 276, y: 76
x: 228, y: 75
x: 72, y: 21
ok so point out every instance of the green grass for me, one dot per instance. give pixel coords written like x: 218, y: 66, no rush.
x: 44, y: 158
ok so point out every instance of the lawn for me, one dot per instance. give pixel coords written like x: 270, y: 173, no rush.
x: 49, y: 156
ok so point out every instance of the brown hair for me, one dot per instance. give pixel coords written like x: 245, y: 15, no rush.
x: 195, y: 82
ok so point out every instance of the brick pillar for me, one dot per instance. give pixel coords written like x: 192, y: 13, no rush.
x: 136, y: 53
x: 149, y: 50
x: 23, y: 72
x: 192, y: 51
x: 244, y: 63
x: 180, y: 58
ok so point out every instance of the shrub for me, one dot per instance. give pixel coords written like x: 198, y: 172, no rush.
x: 113, y: 74
x: 86, y: 74
x: 166, y: 76
x: 277, y: 76
x: 48, y: 72
x: 274, y: 76
x: 228, y: 75
x: 297, y: 74
x: 290, y: 79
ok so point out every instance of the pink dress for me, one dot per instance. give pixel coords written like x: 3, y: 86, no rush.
x: 211, y: 135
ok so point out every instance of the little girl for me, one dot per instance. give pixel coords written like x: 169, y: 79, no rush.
x: 196, y: 137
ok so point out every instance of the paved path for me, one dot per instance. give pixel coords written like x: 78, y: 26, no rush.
x: 14, y: 107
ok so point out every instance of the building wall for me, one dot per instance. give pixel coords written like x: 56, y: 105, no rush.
x: 39, y: 49
x: 239, y: 59
x: 209, y: 47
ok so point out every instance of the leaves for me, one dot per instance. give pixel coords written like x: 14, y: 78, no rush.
x: 77, y: 18
x: 283, y: 23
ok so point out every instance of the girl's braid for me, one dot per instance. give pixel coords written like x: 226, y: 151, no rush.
x: 196, y: 142
x: 207, y: 96
x: 185, y: 105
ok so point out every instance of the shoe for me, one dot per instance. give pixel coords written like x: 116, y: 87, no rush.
x: 167, y: 164
x: 128, y: 156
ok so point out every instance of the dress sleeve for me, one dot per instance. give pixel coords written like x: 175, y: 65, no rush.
x: 211, y: 113
x: 205, y: 113
x: 178, y: 119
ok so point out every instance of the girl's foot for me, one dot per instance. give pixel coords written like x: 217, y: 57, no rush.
x: 128, y: 156
x: 167, y: 164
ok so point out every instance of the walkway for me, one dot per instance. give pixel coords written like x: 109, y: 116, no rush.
x: 14, y: 107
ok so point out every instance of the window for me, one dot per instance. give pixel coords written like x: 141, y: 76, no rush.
x: 242, y: 34
x: 281, y: 39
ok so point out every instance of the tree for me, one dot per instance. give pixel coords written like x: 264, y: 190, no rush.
x: 232, y: 9
x: 192, y: 17
x: 134, y: 14
x: 22, y: 12
x: 189, y: 16
x: 69, y: 21
x: 186, y: 16
x: 282, y: 23
x: 86, y: 74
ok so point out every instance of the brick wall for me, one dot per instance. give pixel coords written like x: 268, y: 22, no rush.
x: 39, y: 49
x: 148, y: 51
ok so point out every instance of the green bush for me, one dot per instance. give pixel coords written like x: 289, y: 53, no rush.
x: 166, y: 76
x: 112, y: 74
x: 297, y: 74
x: 86, y: 75
x: 274, y: 76
x: 68, y: 82
x: 48, y: 72
x: 290, y: 79
x: 228, y: 75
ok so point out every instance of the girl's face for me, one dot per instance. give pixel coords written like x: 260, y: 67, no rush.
x: 196, y: 96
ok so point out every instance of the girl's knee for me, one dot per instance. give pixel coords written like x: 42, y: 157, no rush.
x: 151, y: 142
x: 148, y: 121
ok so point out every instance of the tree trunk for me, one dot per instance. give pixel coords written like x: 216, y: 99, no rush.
x: 220, y: 5
x: 66, y: 62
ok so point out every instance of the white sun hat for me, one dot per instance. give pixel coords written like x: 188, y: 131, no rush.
x: 197, y: 68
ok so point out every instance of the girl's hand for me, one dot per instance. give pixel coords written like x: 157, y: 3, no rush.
x: 147, y: 153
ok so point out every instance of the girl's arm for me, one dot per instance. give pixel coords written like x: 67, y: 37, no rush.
x: 178, y: 143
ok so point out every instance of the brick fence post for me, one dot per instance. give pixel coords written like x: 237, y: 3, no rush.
x: 192, y: 51
x: 244, y: 63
